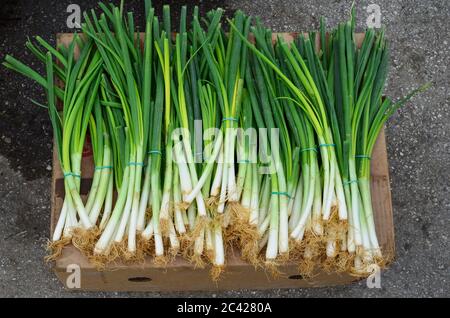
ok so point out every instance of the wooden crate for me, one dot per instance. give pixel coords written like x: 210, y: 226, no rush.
x: 180, y: 275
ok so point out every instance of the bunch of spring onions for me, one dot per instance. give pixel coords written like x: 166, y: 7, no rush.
x: 204, y: 140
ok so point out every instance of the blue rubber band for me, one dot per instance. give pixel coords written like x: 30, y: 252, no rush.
x: 229, y: 118
x: 244, y: 161
x: 67, y: 174
x: 154, y: 152
x: 308, y: 149
x: 363, y: 157
x: 136, y: 164
x: 103, y: 167
x: 282, y: 193
x: 327, y: 145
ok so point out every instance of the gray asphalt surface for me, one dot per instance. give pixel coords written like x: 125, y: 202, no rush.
x: 418, y: 139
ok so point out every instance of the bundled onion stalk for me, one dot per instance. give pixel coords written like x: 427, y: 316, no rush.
x: 339, y: 90
x: 81, y: 80
x: 203, y: 140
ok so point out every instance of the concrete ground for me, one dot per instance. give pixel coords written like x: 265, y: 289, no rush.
x: 418, y: 139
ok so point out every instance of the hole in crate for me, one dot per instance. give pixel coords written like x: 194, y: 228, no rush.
x: 296, y: 277
x: 139, y: 279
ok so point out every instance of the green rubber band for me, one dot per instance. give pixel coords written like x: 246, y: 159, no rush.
x: 308, y: 149
x: 67, y: 174
x: 229, y: 118
x: 282, y: 193
x: 103, y: 167
x: 363, y: 157
x: 349, y: 182
x: 244, y: 161
x: 327, y: 145
x: 154, y: 152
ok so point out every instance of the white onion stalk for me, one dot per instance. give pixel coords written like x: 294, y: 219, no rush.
x: 156, y: 228
x: 340, y: 196
x: 136, y: 200
x: 74, y: 195
x: 199, y: 242
x: 254, y: 204
x: 159, y: 246
x: 179, y: 222
x: 247, y: 193
x: 183, y: 169
x: 226, y: 170
x: 93, y: 191
x: 105, y: 175
x: 111, y: 227
x: 240, y: 180
x: 217, y: 181
x: 284, y: 221
x: 233, y: 194
x: 297, y: 204
x: 329, y: 175
x: 356, y: 204
x: 192, y: 215
x: 219, y: 253
x: 62, y: 219
x: 208, y: 240
x: 292, y: 191
x: 164, y: 212
x: 317, y: 204
x: 108, y: 203
x: 307, y: 206
x: 272, y: 244
x: 364, y: 185
x: 129, y: 201
x: 262, y: 228
x: 145, y: 195
x: 71, y: 219
x: 263, y: 242
x: 174, y: 242
x: 188, y: 198
x: 264, y: 201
